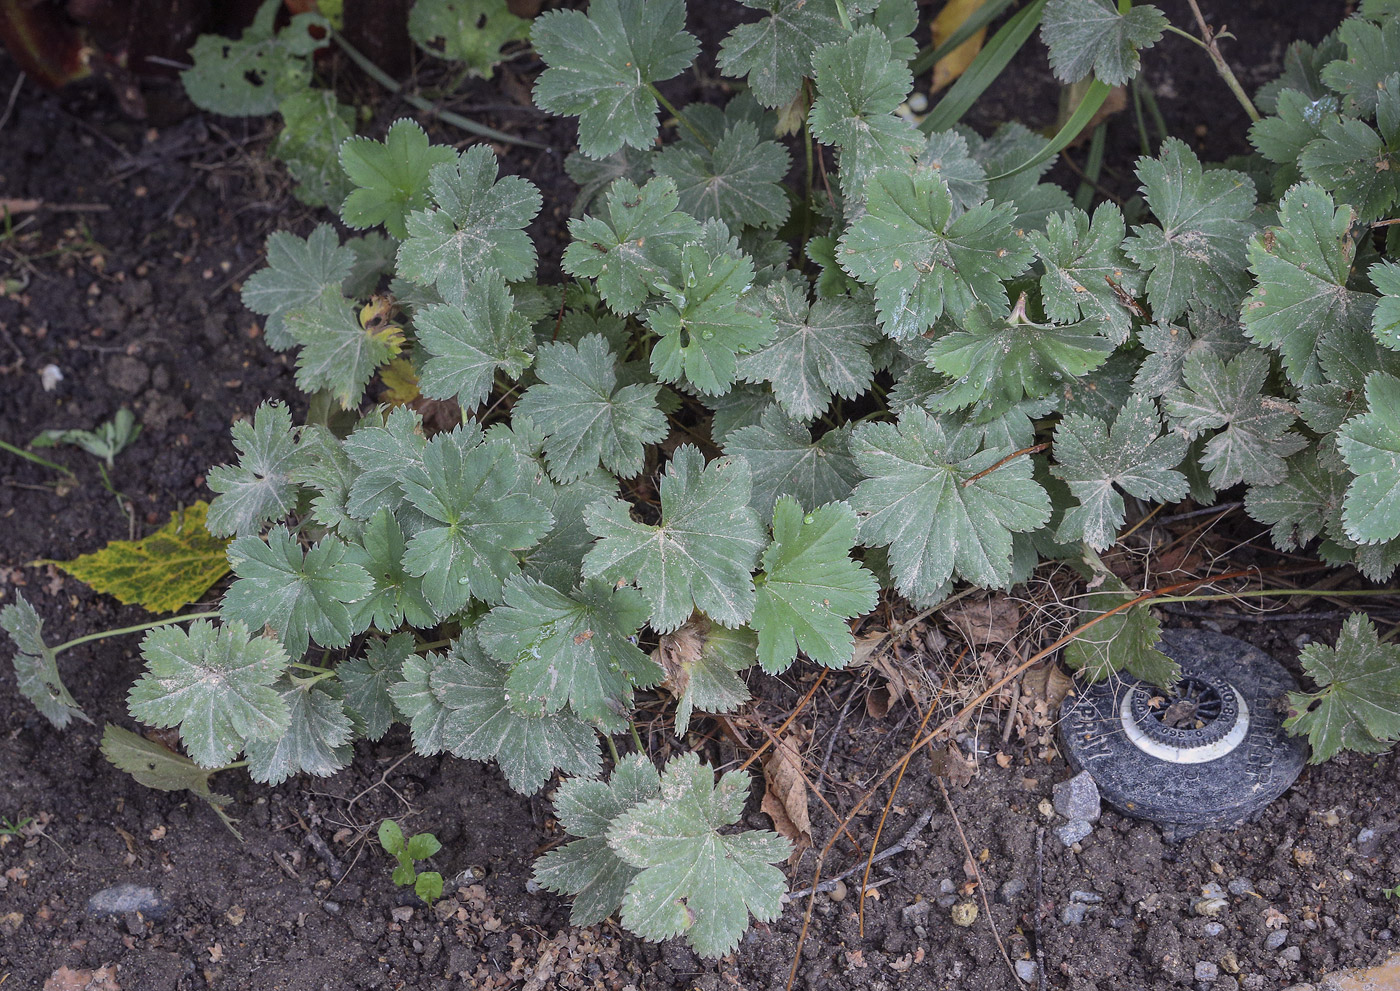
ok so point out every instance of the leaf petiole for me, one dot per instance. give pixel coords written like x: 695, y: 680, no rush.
x: 138, y: 628
x: 680, y: 117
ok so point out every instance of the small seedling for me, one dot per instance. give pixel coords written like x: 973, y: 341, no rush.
x: 1391, y: 892
x: 16, y: 829
x: 106, y: 442
x: 428, y: 884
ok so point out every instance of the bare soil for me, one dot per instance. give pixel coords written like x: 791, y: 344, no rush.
x: 127, y: 281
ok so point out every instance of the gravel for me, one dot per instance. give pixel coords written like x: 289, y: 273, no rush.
x: 1078, y: 798
x: 1275, y: 939
x: 1074, y: 831
x: 123, y: 898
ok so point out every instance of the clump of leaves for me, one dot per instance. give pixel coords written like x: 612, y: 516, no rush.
x: 427, y: 885
x: 749, y: 407
x: 106, y: 441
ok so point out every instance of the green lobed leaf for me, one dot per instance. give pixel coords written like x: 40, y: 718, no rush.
x: 365, y: 681
x: 859, y: 85
x: 1096, y: 460
x: 1007, y: 151
x: 1124, y: 641
x: 1169, y: 345
x: 593, y: 177
x: 1256, y: 437
x: 382, y: 454
x: 1097, y: 36
x: 1357, y: 706
x: 921, y: 260
x: 693, y: 879
x: 818, y: 350
x: 1198, y: 252
x: 1297, y: 121
x: 1370, y: 443
x: 412, y: 695
x: 577, y: 649
x: 390, y: 177
x: 258, y: 488
x: 298, y: 273
x: 299, y: 597
x: 810, y: 587
x: 706, y: 321
x: 702, y: 554
x: 920, y: 498
x: 775, y: 52
x: 314, y: 125
x: 155, y: 766
x: 947, y: 155
x: 468, y: 489
x: 601, y: 67
x: 465, y: 345
x: 36, y: 666
x: 477, y: 227
x: 1352, y: 160
x: 317, y: 742
x: 586, y: 867
x: 737, y: 182
x: 1009, y: 358
x: 785, y: 461
x: 1385, y: 320
x: 248, y: 77
x: 215, y: 685
x: 397, y: 596
x: 470, y: 31
x: 1300, y: 295
x: 1298, y: 508
x: 586, y: 417
x: 481, y: 724
x: 1083, y: 262
x: 338, y: 353
x: 707, y: 679
x: 1372, y: 53
x: 638, y: 246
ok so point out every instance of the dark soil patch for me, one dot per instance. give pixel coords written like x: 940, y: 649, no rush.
x: 306, y: 902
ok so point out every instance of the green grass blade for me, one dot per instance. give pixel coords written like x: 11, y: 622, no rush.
x: 980, y: 18
x: 1093, y: 99
x: 984, y: 70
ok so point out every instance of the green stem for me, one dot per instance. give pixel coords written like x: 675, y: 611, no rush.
x: 417, y: 102
x: 612, y: 747
x: 1270, y: 593
x: 423, y: 648
x: 1221, y: 66
x: 29, y: 456
x: 133, y: 629
x: 680, y: 118
x: 229, y: 767
x: 636, y: 737
x: 315, y: 669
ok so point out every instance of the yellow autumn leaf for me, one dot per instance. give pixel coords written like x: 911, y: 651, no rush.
x: 163, y: 572
x: 400, y: 382
x: 955, y: 63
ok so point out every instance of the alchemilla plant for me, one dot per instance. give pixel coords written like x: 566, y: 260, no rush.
x: 753, y: 405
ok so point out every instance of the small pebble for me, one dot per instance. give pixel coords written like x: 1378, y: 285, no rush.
x: 946, y: 901
x: 964, y: 914
x: 401, y: 913
x: 837, y: 892
x: 1209, y: 907
x: 1291, y: 953
x: 1240, y: 886
x: 1073, y: 831
x: 1026, y: 970
x: 1085, y: 897
x: 1275, y: 939
x: 1213, y: 928
x: 331, y: 908
x: 532, y: 886
x: 123, y: 898
x: 1212, y: 889
x: 946, y: 886
x: 915, y: 914
x: 1074, y: 913
x: 1229, y: 962
x: 1078, y: 798
x: 1010, y: 891
x: 1206, y: 972
x: 1367, y: 842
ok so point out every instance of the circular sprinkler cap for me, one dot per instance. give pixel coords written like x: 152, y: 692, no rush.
x: 1210, y: 754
